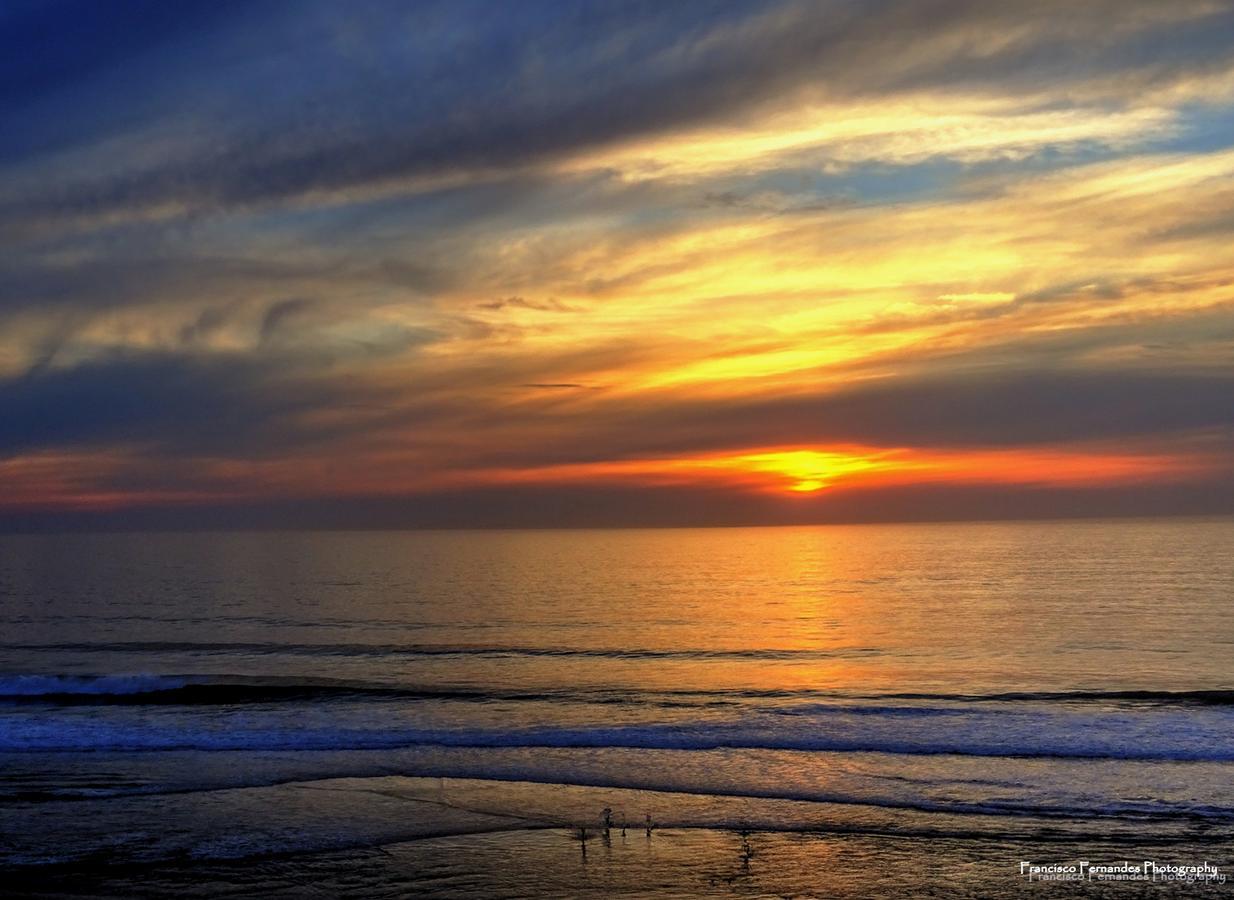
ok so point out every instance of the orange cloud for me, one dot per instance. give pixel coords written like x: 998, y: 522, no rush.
x: 806, y: 470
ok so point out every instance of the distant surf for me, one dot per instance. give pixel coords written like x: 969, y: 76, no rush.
x: 50, y: 713
x: 198, y: 689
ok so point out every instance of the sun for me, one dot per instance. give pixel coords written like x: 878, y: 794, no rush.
x: 808, y: 486
x: 807, y: 471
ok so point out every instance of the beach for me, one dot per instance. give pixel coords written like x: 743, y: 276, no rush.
x: 468, y: 838
x: 852, y: 712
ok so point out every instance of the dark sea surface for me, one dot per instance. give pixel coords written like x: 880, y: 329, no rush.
x: 883, y: 708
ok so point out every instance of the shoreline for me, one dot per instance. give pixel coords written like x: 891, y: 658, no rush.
x: 546, y: 861
x: 397, y: 835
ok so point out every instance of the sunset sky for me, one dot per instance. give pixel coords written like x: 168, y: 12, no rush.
x: 613, y: 263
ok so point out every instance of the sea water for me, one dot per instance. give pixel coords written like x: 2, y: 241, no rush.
x: 216, y: 699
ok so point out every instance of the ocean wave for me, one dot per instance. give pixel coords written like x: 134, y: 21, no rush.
x: 225, y: 691
x: 131, y: 689
x: 162, y: 690
x: 1026, y: 738
x: 36, y: 686
x: 1202, y: 697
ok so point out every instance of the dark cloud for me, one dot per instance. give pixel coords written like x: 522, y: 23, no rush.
x: 996, y: 410
x: 168, y: 404
x: 991, y: 410
x: 632, y: 506
x: 279, y: 314
x: 549, y: 305
x: 121, y: 280
x: 1002, y: 409
x: 208, y: 322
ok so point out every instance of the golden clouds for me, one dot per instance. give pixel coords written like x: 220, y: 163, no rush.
x: 821, y: 290
x: 899, y: 132
x: 758, y: 252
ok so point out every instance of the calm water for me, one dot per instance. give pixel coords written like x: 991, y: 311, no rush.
x: 203, y: 700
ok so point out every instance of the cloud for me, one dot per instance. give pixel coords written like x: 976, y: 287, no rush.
x: 535, y: 506
x: 517, y: 88
x: 996, y: 410
x: 269, y: 252
x: 279, y: 314
x: 171, y: 404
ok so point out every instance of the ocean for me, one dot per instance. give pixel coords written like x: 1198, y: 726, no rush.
x: 813, y: 711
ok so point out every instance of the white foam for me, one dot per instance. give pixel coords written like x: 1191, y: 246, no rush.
x: 39, y: 685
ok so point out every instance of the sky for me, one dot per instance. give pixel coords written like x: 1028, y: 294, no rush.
x: 471, y: 264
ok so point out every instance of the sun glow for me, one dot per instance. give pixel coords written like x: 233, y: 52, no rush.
x: 807, y: 471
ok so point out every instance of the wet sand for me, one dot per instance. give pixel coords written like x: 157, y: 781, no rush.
x: 470, y: 838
